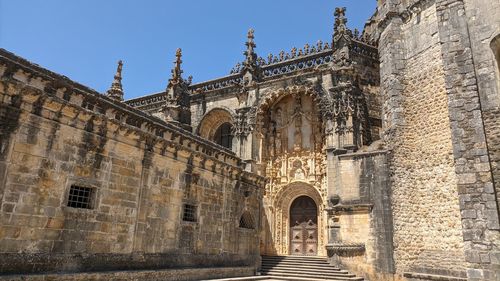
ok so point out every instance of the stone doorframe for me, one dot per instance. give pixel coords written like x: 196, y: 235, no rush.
x: 282, y: 205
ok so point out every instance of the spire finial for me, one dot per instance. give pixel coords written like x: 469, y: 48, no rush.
x: 116, y: 90
x: 177, y: 106
x: 250, y: 35
x: 251, y: 57
x: 340, y: 21
x: 176, y: 71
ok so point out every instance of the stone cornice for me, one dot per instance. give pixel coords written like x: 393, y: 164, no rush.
x: 359, y: 154
x: 352, y: 208
x: 154, y: 130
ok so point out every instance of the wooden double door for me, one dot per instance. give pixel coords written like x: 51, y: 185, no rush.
x: 304, y: 227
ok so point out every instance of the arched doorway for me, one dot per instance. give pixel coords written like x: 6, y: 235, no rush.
x: 304, y: 227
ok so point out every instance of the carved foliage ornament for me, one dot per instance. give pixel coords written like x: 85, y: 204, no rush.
x: 242, y: 125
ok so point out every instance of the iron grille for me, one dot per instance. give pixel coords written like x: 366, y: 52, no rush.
x: 189, y: 213
x: 246, y: 221
x: 80, y: 197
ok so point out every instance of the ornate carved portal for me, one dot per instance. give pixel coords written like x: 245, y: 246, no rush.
x: 291, y: 144
x: 304, y: 227
x: 283, y: 224
x: 291, y: 156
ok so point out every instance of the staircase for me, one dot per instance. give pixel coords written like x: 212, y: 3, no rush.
x: 302, y: 268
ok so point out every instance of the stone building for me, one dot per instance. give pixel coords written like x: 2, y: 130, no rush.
x: 378, y: 149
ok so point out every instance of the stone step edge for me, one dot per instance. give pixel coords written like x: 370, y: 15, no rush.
x: 309, y: 273
x: 305, y: 269
x: 300, y: 263
x: 290, y: 278
x: 307, y: 260
x: 297, y: 257
x: 316, y: 278
x: 296, y: 261
x: 240, y: 278
x: 270, y: 278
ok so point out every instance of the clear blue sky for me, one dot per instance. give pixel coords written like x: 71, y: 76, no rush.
x: 84, y: 39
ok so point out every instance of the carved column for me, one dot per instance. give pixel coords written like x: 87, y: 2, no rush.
x: 243, y: 137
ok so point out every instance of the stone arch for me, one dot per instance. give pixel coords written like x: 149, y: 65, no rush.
x: 274, y: 97
x: 212, y: 121
x: 265, y: 121
x: 282, y: 204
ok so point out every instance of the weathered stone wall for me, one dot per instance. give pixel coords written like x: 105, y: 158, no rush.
x: 425, y: 203
x: 483, y: 27
x: 426, y: 213
x: 432, y: 80
x: 364, y: 214
x: 492, y: 130
x: 142, y: 172
x: 187, y: 274
x: 479, y: 207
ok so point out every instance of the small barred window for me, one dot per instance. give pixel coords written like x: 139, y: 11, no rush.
x: 80, y: 197
x: 246, y: 221
x: 189, y: 213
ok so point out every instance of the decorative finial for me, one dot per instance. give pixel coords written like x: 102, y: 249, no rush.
x: 356, y: 33
x: 319, y: 44
x: 250, y: 35
x: 251, y: 65
x: 116, y: 90
x: 269, y: 58
x: 176, y: 71
x: 340, y: 21
x: 177, y: 103
x: 251, y: 57
x: 306, y: 49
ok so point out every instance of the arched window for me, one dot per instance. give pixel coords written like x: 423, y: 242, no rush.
x: 246, y: 221
x: 223, y: 135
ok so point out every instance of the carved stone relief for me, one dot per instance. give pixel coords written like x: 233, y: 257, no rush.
x: 292, y: 155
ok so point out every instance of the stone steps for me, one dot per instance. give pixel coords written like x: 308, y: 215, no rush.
x: 302, y: 268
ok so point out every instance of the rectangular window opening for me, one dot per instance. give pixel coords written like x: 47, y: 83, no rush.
x: 80, y: 197
x: 189, y: 213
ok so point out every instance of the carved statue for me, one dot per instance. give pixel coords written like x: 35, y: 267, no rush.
x: 298, y: 123
x: 318, y: 141
x: 299, y: 174
x: 271, y: 145
x: 279, y: 118
x: 278, y: 142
